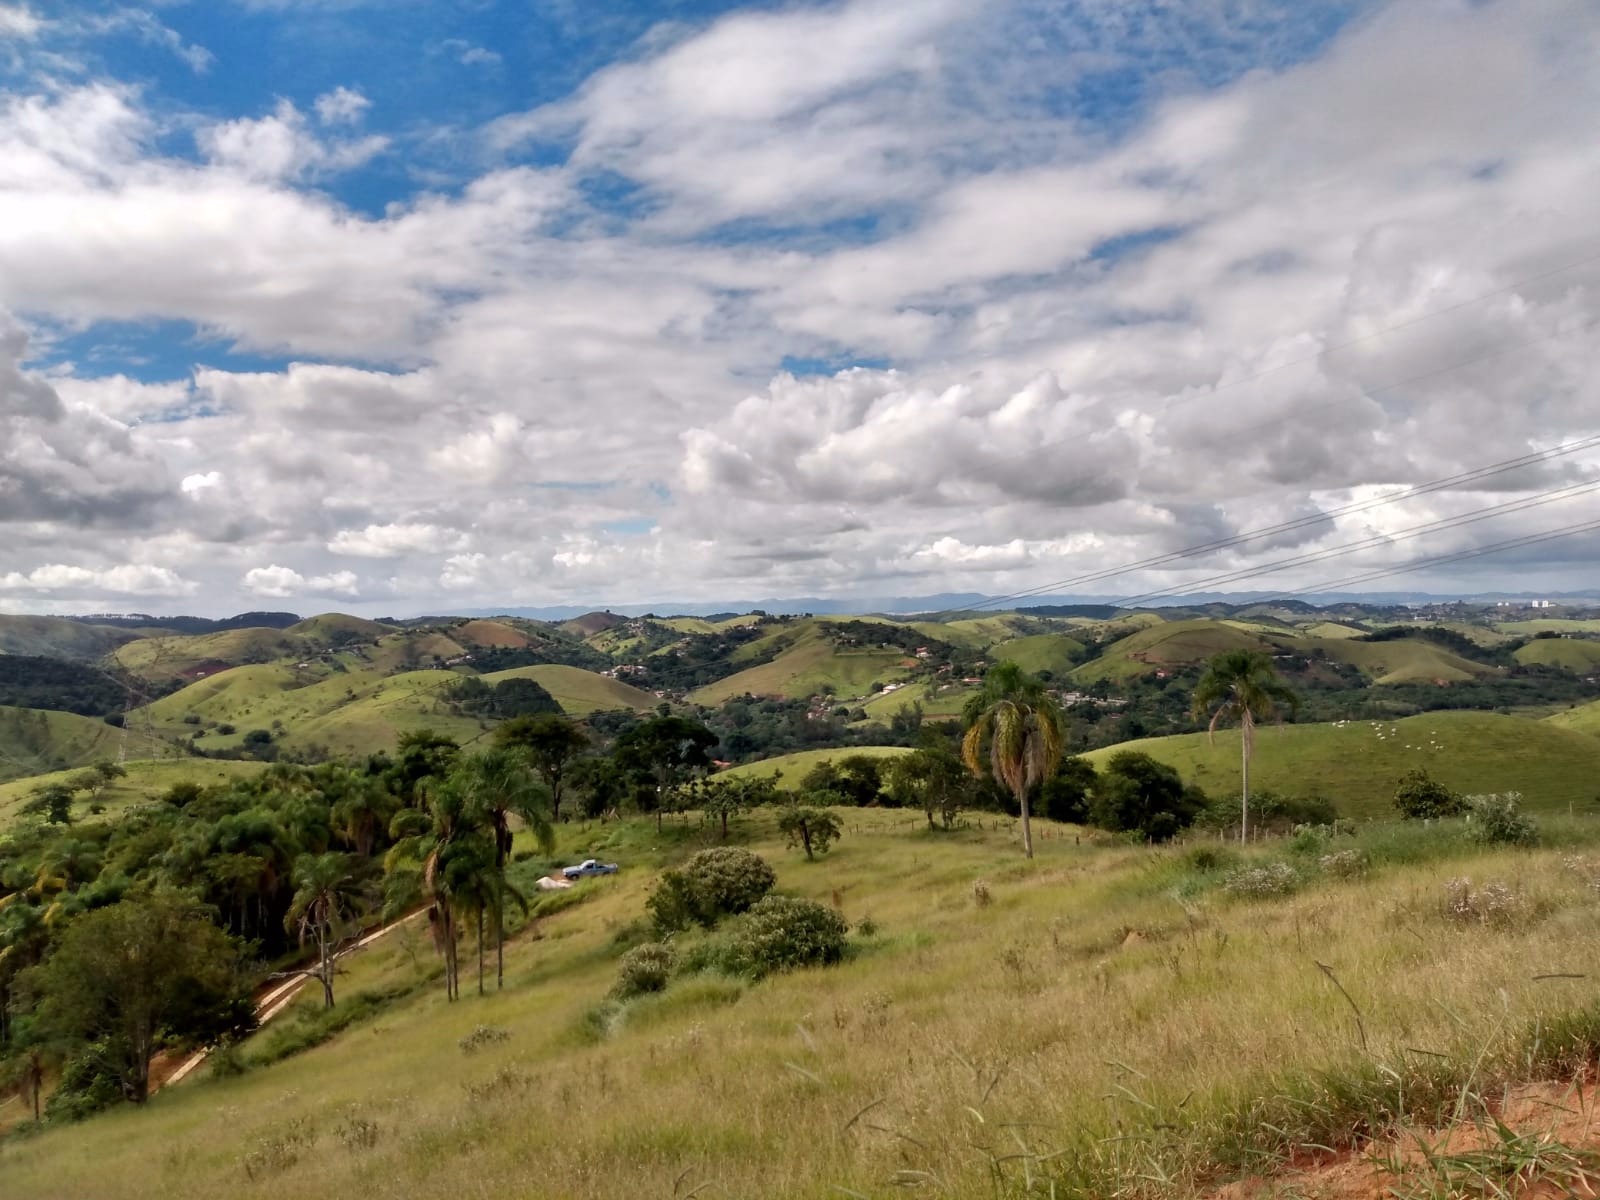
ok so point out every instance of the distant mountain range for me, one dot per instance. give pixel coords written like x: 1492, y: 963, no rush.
x: 939, y: 603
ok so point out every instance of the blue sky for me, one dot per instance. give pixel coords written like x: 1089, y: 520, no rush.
x: 392, y: 305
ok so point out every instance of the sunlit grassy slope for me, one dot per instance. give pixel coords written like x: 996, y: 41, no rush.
x: 57, y: 637
x: 809, y: 661
x: 791, y: 768
x: 145, y: 780
x: 35, y: 740
x: 171, y: 657
x: 1405, y: 660
x: 1570, y: 654
x: 1054, y: 652
x: 350, y: 712
x: 579, y: 692
x: 1167, y: 644
x: 1357, y: 763
x: 1584, y: 718
x: 1105, y: 1001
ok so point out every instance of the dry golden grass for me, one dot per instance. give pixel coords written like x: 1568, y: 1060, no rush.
x: 1100, y: 994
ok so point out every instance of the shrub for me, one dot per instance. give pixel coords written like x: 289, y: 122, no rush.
x: 713, y: 884
x: 1274, y: 879
x: 1207, y: 859
x: 1492, y: 904
x: 1136, y: 794
x: 1344, y: 864
x: 1269, y: 810
x: 1498, y: 820
x: 481, y: 1036
x: 645, y: 968
x: 783, y: 932
x: 1418, y: 796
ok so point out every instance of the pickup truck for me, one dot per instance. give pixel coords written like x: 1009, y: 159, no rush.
x: 589, y: 866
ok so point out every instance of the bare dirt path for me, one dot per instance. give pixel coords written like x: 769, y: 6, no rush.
x: 271, y: 1004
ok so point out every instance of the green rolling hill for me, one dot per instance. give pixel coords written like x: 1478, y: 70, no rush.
x: 1570, y: 654
x: 1053, y: 652
x: 1404, y: 660
x: 1584, y: 718
x: 1357, y: 763
x: 808, y: 661
x: 57, y: 637
x: 34, y: 741
x: 1167, y: 644
x: 145, y: 780
x: 791, y: 768
x: 579, y: 692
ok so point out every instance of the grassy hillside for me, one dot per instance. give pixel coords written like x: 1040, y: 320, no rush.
x: 338, y: 629
x: 145, y: 780
x: 1585, y: 718
x: 1570, y: 654
x: 1171, y: 643
x: 1404, y: 660
x: 975, y: 633
x: 809, y: 662
x: 1079, y: 1029
x: 1551, y: 625
x: 1357, y: 763
x: 164, y: 658
x: 353, y: 712
x: 1332, y: 629
x: 579, y: 692
x: 34, y: 741
x: 56, y: 637
x: 1054, y: 652
x: 946, y: 701
x: 489, y: 633
x: 792, y: 768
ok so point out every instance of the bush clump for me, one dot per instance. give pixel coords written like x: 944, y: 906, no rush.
x: 1274, y: 879
x: 784, y: 932
x: 1344, y: 864
x: 1498, y: 820
x: 646, y: 968
x: 713, y: 884
x: 1420, y: 797
x: 1492, y: 904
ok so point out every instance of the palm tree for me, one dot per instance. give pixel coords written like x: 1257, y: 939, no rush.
x: 1023, y: 727
x: 417, y: 866
x: 495, y: 786
x: 329, y: 890
x: 1240, y: 685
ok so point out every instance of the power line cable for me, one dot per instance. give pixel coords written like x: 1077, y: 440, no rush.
x: 1538, y: 500
x: 1330, y: 515
x: 1473, y: 475
x: 1458, y: 556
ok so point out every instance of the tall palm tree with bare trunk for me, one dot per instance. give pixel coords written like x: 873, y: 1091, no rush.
x: 1241, y: 685
x: 496, y: 786
x: 1022, y: 728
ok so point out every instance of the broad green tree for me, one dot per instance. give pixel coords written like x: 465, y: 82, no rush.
x: 552, y: 743
x: 931, y: 778
x: 661, y: 755
x: 812, y: 829
x: 1016, y: 724
x: 1241, y: 685
x: 138, y: 975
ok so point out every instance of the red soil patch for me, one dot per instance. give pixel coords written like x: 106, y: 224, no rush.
x: 1562, y: 1117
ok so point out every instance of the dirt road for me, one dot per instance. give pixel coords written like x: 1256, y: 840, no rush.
x: 272, y: 1004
